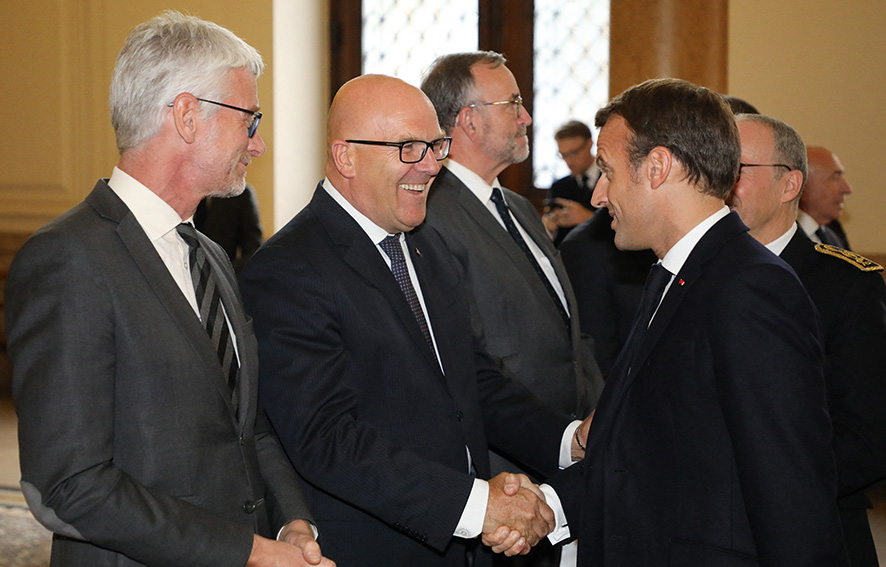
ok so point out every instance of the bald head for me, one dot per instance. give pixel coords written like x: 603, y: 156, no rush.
x: 369, y: 116
x: 370, y: 104
x: 826, y: 186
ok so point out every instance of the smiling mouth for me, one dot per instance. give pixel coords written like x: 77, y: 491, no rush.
x: 414, y: 188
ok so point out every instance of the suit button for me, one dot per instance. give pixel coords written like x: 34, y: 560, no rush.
x: 249, y: 507
x: 459, y: 415
x: 242, y: 441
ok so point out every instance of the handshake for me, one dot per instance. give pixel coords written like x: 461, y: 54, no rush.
x: 517, y: 516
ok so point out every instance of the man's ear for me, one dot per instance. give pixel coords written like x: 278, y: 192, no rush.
x: 343, y: 159
x: 793, y: 184
x: 657, y: 165
x: 186, y: 116
x: 466, y: 121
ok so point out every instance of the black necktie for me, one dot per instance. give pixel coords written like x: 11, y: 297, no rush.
x: 656, y: 282
x: 209, y: 303
x: 391, y: 246
x: 505, y: 213
x: 827, y: 236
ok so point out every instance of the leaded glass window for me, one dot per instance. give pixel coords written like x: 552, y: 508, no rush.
x: 571, y: 75
x: 403, y: 37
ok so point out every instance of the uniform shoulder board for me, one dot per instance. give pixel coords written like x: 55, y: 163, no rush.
x: 856, y: 260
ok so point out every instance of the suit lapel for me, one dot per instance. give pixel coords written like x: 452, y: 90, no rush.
x: 157, y: 276
x: 682, y: 284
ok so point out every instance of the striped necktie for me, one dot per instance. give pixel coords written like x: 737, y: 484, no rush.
x: 391, y: 247
x: 211, y: 312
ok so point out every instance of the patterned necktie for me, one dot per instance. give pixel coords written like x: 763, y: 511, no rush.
x: 656, y: 282
x: 209, y: 303
x: 391, y: 246
x: 505, y: 213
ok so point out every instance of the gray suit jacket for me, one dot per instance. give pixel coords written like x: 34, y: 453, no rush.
x: 521, y: 324
x: 130, y: 450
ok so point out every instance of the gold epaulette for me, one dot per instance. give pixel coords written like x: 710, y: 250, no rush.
x: 856, y: 260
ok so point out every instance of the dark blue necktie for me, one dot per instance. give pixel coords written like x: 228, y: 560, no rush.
x: 211, y: 313
x: 827, y: 236
x: 391, y: 247
x: 656, y: 282
x: 505, y: 213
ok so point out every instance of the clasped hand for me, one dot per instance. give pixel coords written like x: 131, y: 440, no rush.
x: 517, y: 516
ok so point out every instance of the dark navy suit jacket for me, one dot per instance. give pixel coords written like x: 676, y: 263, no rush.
x: 714, y: 449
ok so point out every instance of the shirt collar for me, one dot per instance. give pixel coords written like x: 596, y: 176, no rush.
x: 372, y: 230
x: 679, y: 252
x: 807, y: 223
x: 778, y: 245
x: 154, y: 214
x: 472, y: 181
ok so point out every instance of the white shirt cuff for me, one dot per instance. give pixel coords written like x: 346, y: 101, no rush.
x: 561, y: 531
x: 313, y: 529
x: 566, y: 444
x: 470, y: 525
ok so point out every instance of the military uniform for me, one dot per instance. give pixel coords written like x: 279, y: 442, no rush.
x: 849, y: 292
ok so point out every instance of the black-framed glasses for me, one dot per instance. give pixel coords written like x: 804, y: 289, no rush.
x: 413, y: 151
x: 517, y: 101
x: 256, y: 115
x: 744, y: 165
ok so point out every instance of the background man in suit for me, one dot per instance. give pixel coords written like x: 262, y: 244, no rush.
x: 380, y: 391
x: 821, y: 202
x: 851, y: 299
x: 136, y: 447
x: 523, y: 301
x: 568, y: 203
x: 711, y: 441
x: 233, y: 224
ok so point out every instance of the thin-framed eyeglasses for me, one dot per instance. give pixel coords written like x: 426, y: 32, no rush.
x: 744, y: 165
x: 413, y: 151
x: 517, y: 101
x: 256, y: 115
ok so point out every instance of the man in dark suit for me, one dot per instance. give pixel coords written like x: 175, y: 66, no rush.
x: 710, y: 443
x: 608, y: 284
x: 141, y: 439
x: 523, y: 301
x: 233, y: 224
x: 821, y: 202
x: 568, y: 203
x: 381, y: 393
x: 850, y: 295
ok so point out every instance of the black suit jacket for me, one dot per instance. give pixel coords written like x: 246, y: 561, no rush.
x: 608, y: 284
x: 851, y: 303
x: 375, y: 429
x: 130, y: 450
x: 714, y: 449
x: 569, y: 188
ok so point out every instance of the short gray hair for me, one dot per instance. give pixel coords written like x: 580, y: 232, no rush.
x: 789, y: 147
x: 449, y: 82
x: 165, y: 56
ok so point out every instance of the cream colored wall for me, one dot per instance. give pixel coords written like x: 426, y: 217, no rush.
x: 57, y: 57
x: 820, y: 65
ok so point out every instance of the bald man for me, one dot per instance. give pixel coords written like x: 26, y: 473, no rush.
x: 851, y: 300
x: 821, y: 203
x: 383, y: 397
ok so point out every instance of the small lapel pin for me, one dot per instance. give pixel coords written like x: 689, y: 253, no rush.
x: 417, y: 251
x: 681, y: 282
